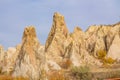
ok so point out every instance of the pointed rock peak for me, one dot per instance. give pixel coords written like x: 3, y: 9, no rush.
x: 59, y: 22
x: 29, y: 36
x: 1, y: 50
x: 57, y: 16
x: 1, y: 54
x: 1, y: 47
x: 58, y: 30
x: 92, y: 28
x: 29, y: 60
x: 76, y: 29
x: 29, y: 42
x: 77, y: 32
x: 29, y: 32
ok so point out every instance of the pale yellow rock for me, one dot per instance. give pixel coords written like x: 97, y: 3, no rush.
x: 54, y: 46
x: 111, y: 34
x: 31, y: 61
x: 114, y: 50
x: 2, y: 54
x: 99, y: 45
x: 96, y: 38
x: 10, y: 59
x: 79, y: 54
x: 52, y: 65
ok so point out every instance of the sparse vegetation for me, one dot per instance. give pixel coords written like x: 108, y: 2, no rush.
x: 108, y: 75
x: 101, y: 54
x: 66, y: 64
x: 6, y: 77
x: 57, y: 75
x: 109, y: 60
x: 82, y: 73
x: 81, y: 69
x: 105, y: 60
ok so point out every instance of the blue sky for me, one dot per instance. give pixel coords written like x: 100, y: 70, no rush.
x: 15, y: 15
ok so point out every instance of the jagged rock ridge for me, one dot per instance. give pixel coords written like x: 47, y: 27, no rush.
x: 29, y: 59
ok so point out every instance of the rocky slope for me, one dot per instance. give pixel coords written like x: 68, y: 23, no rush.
x: 31, y: 59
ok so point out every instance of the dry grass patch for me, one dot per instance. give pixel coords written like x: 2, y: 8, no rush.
x: 7, y: 77
x: 66, y: 64
x: 57, y: 75
x: 101, y: 54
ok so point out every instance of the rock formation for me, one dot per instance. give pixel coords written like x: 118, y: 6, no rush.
x: 54, y: 46
x: 103, y: 37
x: 114, y: 50
x: 79, y: 53
x: 1, y: 53
x: 9, y: 61
x: 31, y: 61
x: 8, y: 58
x: 61, y: 45
x: 96, y: 38
x: 2, y: 57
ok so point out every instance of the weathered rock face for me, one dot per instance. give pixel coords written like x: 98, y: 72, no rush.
x: 79, y: 53
x: 114, y: 50
x: 54, y: 46
x: 1, y: 53
x: 112, y: 41
x: 2, y: 57
x: 61, y: 45
x: 104, y: 37
x: 96, y: 38
x: 31, y: 61
x: 77, y: 45
x: 113, y: 31
x: 9, y: 61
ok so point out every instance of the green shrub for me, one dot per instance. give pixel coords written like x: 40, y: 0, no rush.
x: 81, y: 69
x: 82, y: 73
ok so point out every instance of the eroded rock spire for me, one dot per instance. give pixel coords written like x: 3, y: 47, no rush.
x: 55, y: 42
x: 30, y: 61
